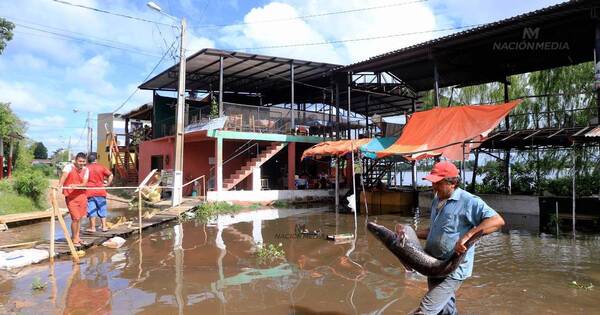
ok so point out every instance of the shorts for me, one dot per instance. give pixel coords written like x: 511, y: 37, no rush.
x: 77, y: 206
x: 96, y: 207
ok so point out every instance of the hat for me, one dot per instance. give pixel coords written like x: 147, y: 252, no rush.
x: 441, y: 170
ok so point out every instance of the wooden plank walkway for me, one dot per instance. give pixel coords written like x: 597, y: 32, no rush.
x: 22, y: 218
x: 99, y: 237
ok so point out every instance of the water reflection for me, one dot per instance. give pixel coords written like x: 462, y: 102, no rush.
x: 211, y: 268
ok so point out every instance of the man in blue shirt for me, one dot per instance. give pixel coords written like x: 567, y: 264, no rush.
x: 456, y: 215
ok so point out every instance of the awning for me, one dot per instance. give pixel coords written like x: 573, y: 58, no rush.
x: 442, y: 131
x: 334, y: 148
x: 377, y: 144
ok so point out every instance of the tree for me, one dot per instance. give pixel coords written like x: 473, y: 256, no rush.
x: 24, y: 156
x: 9, y: 122
x: 6, y: 34
x: 40, y: 151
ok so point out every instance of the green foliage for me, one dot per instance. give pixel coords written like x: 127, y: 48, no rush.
x: 48, y: 170
x: 13, y: 202
x: 208, y: 210
x: 5, y: 185
x: 24, y: 156
x: 60, y: 155
x: 32, y: 184
x: 40, y: 151
x: 9, y: 122
x: 270, y: 252
x: 6, y: 33
x: 214, y: 108
x: 38, y: 285
x: 281, y: 204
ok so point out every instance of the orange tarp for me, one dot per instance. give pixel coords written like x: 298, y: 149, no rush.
x: 334, y: 148
x: 442, y: 131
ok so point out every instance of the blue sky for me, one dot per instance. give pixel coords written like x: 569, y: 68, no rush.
x: 46, y: 75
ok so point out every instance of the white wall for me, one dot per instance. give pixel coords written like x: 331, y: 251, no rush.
x: 271, y: 195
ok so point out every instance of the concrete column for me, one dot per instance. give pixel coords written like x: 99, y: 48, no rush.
x: 292, y: 96
x: 10, y: 156
x: 256, y: 185
x: 219, y: 164
x: 291, y: 165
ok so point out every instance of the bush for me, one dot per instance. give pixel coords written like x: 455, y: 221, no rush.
x: 47, y: 170
x: 5, y: 186
x: 31, y: 183
x: 14, y: 203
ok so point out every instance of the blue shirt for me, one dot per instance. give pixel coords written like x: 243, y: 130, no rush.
x: 462, y: 212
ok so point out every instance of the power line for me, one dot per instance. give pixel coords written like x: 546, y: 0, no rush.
x: 110, y: 12
x: 310, y: 16
x: 359, y: 39
x: 70, y: 37
x: 71, y: 32
x: 147, y: 76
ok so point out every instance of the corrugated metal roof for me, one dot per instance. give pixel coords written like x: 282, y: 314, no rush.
x: 593, y: 133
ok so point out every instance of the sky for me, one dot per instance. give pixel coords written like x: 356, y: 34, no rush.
x: 65, y: 61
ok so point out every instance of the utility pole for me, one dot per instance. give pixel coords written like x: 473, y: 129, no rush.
x: 179, y: 141
x: 90, y: 131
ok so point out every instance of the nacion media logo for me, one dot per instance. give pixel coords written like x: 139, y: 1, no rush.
x: 530, y: 40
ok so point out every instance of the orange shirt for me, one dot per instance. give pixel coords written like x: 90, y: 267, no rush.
x: 74, y: 177
x: 96, y: 179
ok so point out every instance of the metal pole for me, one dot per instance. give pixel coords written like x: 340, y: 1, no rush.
x: 368, y: 131
x: 349, y: 97
x: 556, y: 214
x: 292, y: 94
x: 574, y: 193
x: 221, y: 86
x: 337, y: 184
x: 140, y: 210
x: 179, y: 141
x: 337, y: 112
x: 507, y: 155
x: 436, y: 85
x: 474, y: 177
x: 462, y: 165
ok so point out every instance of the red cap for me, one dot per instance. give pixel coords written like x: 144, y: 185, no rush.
x: 441, y: 170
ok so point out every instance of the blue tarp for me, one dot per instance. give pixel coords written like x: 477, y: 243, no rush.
x: 377, y: 144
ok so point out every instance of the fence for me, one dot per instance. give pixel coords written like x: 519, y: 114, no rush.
x: 138, y: 189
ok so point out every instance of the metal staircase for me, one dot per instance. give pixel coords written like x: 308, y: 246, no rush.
x: 257, y: 161
x: 376, y: 169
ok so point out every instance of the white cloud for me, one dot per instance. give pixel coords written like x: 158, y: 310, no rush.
x: 23, y: 97
x: 46, y: 122
x: 92, y: 74
x: 29, y: 61
x: 271, y: 34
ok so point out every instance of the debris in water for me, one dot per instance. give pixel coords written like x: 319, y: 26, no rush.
x: 576, y: 285
x: 341, y: 237
x: 114, y: 242
x: 37, y: 284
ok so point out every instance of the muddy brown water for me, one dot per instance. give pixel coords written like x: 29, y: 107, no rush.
x: 196, y: 268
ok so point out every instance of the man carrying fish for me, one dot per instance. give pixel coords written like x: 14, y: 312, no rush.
x: 456, y: 217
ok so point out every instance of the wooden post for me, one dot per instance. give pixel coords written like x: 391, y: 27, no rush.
x: 61, y: 221
x: 474, y: 177
x: 574, y: 193
x: 556, y: 213
x: 140, y: 210
x: 52, y: 225
x: 291, y: 178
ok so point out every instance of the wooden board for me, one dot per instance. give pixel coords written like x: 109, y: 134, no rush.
x: 28, y: 216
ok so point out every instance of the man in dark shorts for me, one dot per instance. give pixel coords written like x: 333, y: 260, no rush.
x: 97, y: 207
x: 456, y: 215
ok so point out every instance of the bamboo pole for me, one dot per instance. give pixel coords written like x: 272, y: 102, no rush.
x: 61, y: 221
x: 52, y: 225
x: 140, y: 211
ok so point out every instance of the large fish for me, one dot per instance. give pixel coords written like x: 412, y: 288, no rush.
x: 410, y: 253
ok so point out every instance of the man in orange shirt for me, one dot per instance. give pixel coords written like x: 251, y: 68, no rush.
x: 100, y: 176
x: 75, y: 175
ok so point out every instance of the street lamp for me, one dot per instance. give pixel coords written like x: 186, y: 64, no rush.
x: 178, y: 169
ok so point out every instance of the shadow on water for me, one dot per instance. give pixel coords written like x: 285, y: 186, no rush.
x: 212, y: 268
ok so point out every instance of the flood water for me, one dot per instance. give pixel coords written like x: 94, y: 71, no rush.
x: 196, y: 268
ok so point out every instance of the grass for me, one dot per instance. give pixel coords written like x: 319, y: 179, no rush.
x: 587, y: 287
x: 208, y: 210
x: 14, y: 203
x: 280, y: 204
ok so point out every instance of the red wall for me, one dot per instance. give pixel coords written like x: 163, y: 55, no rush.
x: 195, y: 161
